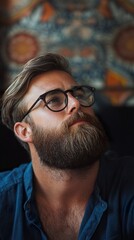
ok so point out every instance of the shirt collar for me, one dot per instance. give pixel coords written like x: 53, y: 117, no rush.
x: 28, y: 183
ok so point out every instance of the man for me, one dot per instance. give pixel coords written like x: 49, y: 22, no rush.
x: 71, y: 189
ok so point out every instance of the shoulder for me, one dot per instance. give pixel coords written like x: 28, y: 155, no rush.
x: 10, y: 179
x: 14, y: 193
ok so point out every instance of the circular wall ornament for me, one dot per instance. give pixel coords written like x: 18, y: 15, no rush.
x: 123, y: 43
x: 21, y: 47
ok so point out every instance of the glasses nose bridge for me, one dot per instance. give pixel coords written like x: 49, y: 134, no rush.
x: 72, y: 100
x: 71, y: 91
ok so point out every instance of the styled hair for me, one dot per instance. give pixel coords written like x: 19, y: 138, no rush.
x: 13, y: 107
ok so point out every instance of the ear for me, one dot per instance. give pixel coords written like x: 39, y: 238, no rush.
x: 23, y: 131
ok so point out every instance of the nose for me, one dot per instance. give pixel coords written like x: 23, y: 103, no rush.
x: 73, y: 104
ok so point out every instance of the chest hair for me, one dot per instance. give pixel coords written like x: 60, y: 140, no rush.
x: 61, y: 224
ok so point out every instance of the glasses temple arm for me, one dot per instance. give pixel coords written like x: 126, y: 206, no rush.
x: 30, y: 109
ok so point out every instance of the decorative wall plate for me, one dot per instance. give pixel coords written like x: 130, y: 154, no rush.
x: 21, y: 47
x: 123, y: 43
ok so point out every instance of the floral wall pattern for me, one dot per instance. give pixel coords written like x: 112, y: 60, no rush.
x: 97, y: 37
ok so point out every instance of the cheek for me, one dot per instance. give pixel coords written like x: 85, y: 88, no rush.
x: 49, y: 119
x: 89, y: 111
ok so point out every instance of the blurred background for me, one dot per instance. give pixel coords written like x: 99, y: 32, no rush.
x: 97, y: 37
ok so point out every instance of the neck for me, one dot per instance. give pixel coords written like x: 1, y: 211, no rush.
x: 64, y: 187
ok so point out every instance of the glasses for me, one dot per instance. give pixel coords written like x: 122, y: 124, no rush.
x: 57, y: 100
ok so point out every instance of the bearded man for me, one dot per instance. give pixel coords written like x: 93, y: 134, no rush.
x: 72, y: 189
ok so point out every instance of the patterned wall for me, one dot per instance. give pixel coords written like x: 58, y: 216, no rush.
x: 97, y: 36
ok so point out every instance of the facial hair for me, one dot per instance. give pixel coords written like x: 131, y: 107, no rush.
x: 71, y: 147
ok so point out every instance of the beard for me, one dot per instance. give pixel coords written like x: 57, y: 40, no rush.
x: 71, y: 147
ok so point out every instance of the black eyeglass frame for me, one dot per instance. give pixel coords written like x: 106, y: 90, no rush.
x: 42, y: 97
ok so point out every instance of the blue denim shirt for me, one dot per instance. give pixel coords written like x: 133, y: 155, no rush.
x: 109, y: 214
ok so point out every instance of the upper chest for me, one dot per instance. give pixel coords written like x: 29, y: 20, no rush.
x: 61, y: 224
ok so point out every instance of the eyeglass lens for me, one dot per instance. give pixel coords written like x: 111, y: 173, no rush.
x: 57, y: 100
x: 84, y: 95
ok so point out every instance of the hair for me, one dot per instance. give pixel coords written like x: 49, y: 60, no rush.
x: 13, y: 107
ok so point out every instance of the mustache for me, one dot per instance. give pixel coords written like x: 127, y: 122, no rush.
x: 80, y: 116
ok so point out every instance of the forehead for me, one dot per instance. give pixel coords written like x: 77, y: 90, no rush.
x: 49, y: 81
